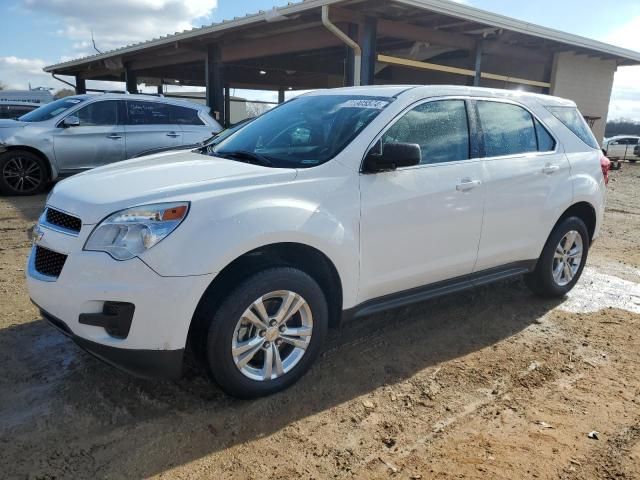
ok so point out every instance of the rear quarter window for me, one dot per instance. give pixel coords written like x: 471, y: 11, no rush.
x: 574, y: 121
x: 184, y: 115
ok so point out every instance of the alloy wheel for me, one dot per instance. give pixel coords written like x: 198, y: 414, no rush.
x: 567, y: 258
x: 272, y: 335
x: 22, y: 174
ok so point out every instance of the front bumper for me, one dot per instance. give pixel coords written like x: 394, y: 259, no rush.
x: 165, y: 364
x: 90, y: 281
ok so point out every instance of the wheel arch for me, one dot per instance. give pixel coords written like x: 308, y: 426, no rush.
x: 302, y: 256
x: 586, y: 212
x: 35, y: 151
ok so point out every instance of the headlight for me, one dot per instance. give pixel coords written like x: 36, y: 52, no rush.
x: 128, y: 233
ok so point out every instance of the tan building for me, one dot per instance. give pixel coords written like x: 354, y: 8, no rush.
x: 330, y: 43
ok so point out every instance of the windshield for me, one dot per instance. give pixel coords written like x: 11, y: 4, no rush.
x: 304, y: 132
x: 50, y: 110
x: 227, y: 132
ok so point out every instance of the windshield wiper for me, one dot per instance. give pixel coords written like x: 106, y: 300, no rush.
x: 247, y: 156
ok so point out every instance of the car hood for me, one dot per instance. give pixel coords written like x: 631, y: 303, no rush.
x: 8, y: 123
x: 164, y: 177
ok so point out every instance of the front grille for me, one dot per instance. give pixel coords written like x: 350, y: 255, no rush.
x: 48, y: 262
x: 64, y: 220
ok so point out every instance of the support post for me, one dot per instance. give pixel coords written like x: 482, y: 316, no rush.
x: 131, y: 80
x: 478, y: 67
x: 367, y: 41
x: 81, y: 85
x: 227, y: 106
x: 214, y: 70
x: 281, y: 95
x: 160, y: 92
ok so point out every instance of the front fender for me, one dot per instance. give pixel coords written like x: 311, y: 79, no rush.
x: 323, y: 215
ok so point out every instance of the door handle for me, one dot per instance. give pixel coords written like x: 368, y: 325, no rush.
x: 114, y: 136
x: 549, y: 169
x: 173, y: 134
x: 467, y: 184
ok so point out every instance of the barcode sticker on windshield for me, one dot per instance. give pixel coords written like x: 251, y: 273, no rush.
x: 364, y: 103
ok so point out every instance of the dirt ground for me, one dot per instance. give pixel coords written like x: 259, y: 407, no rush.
x: 494, y: 383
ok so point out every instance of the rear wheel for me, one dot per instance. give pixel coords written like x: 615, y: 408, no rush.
x: 562, y: 260
x: 267, y: 333
x: 22, y: 173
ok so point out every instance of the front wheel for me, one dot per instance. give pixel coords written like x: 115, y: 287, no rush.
x: 562, y: 260
x: 22, y: 173
x: 267, y: 333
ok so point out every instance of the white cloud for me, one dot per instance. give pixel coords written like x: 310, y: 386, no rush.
x: 117, y: 23
x: 17, y: 73
x: 625, y: 98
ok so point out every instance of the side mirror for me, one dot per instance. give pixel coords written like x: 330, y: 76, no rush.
x: 71, y: 121
x: 393, y: 156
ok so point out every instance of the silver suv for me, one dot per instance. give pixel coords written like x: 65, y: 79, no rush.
x: 86, y: 131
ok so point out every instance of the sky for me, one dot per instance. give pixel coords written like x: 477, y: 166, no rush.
x: 36, y: 33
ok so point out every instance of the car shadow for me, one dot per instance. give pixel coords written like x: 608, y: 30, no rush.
x: 160, y: 425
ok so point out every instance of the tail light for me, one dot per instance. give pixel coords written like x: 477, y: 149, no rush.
x: 605, y: 164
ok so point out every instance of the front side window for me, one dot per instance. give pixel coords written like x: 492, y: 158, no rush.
x: 148, y: 113
x: 303, y: 132
x: 507, y: 129
x: 51, y: 110
x: 571, y: 118
x: 95, y: 114
x: 440, y: 128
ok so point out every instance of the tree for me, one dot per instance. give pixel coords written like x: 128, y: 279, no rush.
x: 2, y: 86
x: 622, y: 127
x: 64, y: 92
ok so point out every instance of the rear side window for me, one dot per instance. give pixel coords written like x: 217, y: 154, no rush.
x: 507, y: 129
x: 440, y: 128
x: 148, y: 113
x: 184, y: 115
x: 95, y: 114
x: 572, y: 119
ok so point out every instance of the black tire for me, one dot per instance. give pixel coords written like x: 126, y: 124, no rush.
x: 632, y: 160
x: 22, y: 173
x: 616, y: 165
x: 223, y: 322
x: 541, y: 280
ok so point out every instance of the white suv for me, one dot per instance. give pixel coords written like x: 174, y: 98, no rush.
x: 336, y: 204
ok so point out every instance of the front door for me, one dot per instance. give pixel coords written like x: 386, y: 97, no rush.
x: 97, y: 140
x: 421, y: 225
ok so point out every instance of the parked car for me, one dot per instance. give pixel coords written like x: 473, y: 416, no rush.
x: 336, y: 204
x: 206, y: 145
x: 14, y: 110
x: 80, y: 132
x: 621, y: 147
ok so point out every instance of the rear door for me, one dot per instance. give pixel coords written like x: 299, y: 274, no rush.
x: 149, y: 127
x: 97, y: 140
x: 526, y: 180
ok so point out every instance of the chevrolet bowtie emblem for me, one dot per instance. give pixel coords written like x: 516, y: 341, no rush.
x: 36, y: 233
